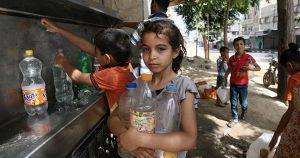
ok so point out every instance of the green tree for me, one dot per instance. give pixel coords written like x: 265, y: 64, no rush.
x: 202, y: 15
x: 217, y: 14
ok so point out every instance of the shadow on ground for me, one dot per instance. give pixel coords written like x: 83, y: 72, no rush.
x: 211, y: 119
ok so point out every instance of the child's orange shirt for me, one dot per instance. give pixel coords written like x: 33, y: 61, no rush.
x: 292, y: 81
x: 113, y: 82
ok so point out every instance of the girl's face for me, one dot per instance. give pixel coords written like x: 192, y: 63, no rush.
x: 239, y: 46
x: 157, y: 52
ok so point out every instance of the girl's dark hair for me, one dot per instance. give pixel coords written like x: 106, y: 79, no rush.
x: 291, y: 54
x: 168, y: 28
x: 115, y: 42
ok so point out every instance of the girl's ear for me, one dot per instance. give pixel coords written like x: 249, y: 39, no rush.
x: 176, y: 53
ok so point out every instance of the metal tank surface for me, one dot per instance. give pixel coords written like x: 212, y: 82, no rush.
x: 59, y: 133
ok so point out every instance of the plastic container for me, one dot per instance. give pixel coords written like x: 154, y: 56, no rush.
x: 168, y: 117
x: 63, y: 85
x: 84, y: 64
x: 33, y: 85
x: 142, y: 115
x: 127, y: 100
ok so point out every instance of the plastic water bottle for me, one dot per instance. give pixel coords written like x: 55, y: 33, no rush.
x: 63, y: 85
x: 168, y: 112
x: 127, y: 100
x: 33, y: 85
x: 84, y: 64
x: 168, y: 117
x: 142, y: 115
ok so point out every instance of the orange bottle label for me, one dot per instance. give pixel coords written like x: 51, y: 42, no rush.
x: 34, y: 97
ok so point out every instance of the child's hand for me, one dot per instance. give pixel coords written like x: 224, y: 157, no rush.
x: 129, y: 139
x: 145, y: 153
x: 49, y: 25
x: 59, y: 59
x: 246, y: 68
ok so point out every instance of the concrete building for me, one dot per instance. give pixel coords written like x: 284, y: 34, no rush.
x: 259, y: 26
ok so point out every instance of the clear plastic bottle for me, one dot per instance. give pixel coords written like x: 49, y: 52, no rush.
x: 63, y: 84
x: 142, y: 115
x: 33, y: 85
x: 127, y: 100
x: 168, y: 117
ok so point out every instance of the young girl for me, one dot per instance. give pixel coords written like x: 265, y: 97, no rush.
x: 289, y: 125
x: 163, y: 50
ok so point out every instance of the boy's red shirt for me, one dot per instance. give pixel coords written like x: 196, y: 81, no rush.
x: 113, y: 82
x: 235, y: 62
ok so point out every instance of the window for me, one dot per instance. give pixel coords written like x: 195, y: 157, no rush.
x: 262, y: 20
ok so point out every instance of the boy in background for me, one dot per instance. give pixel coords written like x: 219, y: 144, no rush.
x: 238, y: 66
x: 222, y: 68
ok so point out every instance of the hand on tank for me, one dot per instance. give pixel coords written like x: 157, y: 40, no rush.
x: 49, y: 25
x: 59, y: 59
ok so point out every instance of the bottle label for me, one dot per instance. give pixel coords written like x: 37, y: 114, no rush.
x: 33, y: 97
x: 143, y: 121
x: 169, y: 155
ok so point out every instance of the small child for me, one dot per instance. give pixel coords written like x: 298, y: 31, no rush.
x: 163, y: 50
x: 222, y: 68
x: 112, y: 50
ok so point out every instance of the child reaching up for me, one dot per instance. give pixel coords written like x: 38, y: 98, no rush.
x: 112, y: 50
x: 162, y: 46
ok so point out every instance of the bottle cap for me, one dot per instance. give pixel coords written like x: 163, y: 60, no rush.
x: 131, y: 85
x: 171, y: 88
x: 146, y: 77
x: 29, y: 52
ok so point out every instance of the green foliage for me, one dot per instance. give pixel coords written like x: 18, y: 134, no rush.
x: 297, y: 18
x: 197, y: 12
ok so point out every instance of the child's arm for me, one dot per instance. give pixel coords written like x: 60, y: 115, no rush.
x: 116, y: 127
x: 256, y: 67
x: 226, y: 76
x: 74, y: 74
x: 114, y: 123
x: 82, y: 43
x: 282, y: 125
x: 177, y: 141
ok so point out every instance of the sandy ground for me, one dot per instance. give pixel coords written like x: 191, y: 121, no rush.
x: 215, y: 139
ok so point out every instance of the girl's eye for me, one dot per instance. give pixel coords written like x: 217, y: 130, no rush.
x: 145, y: 50
x: 160, y: 49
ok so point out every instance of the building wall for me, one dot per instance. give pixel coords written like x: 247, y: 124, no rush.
x: 129, y: 10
